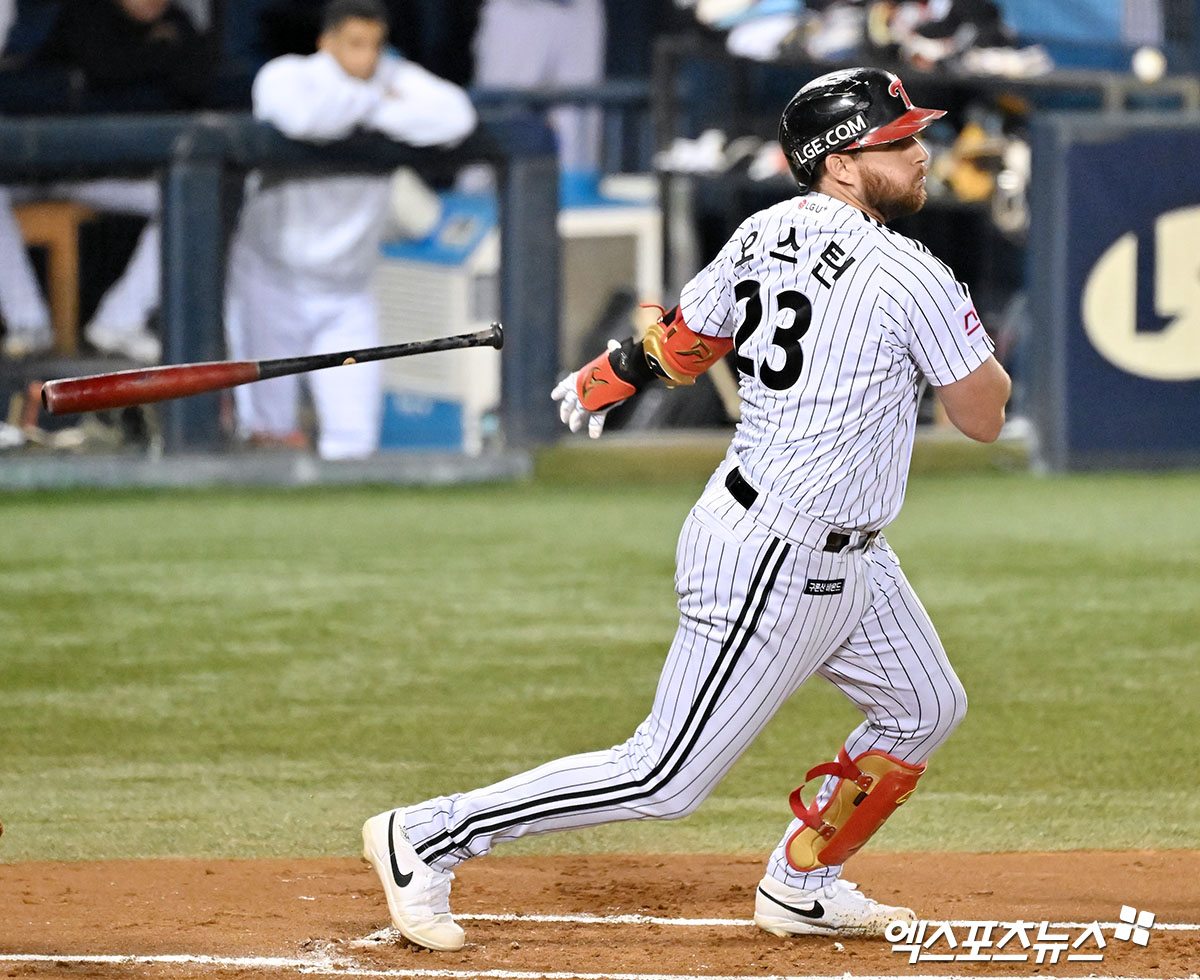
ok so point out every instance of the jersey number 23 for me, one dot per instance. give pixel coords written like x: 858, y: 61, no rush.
x: 786, y: 336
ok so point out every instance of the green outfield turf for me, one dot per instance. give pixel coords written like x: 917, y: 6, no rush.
x: 254, y: 672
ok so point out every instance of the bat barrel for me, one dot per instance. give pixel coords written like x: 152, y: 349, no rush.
x: 120, y: 389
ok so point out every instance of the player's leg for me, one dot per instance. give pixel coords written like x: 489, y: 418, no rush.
x: 748, y: 637
x: 348, y: 400
x: 236, y: 324
x: 22, y: 306
x: 512, y: 44
x: 120, y: 323
x: 512, y: 48
x: 895, y: 670
x: 267, y: 319
x: 580, y: 63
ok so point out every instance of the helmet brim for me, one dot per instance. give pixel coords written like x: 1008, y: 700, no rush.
x: 911, y: 123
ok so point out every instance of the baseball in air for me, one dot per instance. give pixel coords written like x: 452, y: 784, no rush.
x: 349, y: 360
x: 1148, y: 64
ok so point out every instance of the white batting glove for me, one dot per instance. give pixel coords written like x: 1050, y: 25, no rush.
x: 573, y: 413
x: 566, y: 393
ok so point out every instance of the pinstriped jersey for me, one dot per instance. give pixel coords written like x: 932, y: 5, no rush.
x: 835, y: 319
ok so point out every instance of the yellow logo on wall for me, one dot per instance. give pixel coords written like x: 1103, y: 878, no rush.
x: 1109, y: 304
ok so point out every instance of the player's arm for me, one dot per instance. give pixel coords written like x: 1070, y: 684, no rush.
x: 975, y: 404
x: 671, y: 352
x: 419, y: 108
x: 310, y: 98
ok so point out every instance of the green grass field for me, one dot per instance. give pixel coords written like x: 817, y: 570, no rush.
x: 252, y: 673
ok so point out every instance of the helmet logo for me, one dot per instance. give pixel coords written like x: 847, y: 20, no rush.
x: 839, y: 135
x: 897, y: 88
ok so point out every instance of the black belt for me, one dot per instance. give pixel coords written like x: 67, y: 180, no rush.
x: 739, y: 489
x: 746, y: 495
x: 838, y: 540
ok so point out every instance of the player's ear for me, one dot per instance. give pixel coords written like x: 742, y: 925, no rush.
x: 837, y: 165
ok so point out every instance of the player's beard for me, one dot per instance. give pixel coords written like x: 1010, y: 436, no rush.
x: 889, y: 198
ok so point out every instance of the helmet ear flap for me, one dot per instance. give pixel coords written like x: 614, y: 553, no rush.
x: 808, y: 177
x: 818, y: 169
x: 804, y: 176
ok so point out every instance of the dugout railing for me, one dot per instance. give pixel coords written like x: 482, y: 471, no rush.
x: 202, y: 160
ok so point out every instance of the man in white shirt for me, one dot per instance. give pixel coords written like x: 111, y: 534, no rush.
x: 305, y: 249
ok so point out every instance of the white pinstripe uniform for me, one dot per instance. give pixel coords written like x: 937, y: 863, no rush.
x: 835, y: 320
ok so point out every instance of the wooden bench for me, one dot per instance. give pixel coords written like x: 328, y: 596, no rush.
x: 54, y: 226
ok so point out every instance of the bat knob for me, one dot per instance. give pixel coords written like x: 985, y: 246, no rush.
x: 497, y: 336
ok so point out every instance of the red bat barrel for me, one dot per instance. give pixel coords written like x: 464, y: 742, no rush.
x: 122, y: 388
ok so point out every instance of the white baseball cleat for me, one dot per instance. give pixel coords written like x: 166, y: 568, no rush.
x: 25, y: 342
x: 137, y: 343
x: 838, y: 909
x: 418, y: 897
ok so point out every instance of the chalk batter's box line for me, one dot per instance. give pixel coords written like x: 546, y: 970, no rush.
x: 331, y: 968
x: 326, y: 966
x: 634, y: 918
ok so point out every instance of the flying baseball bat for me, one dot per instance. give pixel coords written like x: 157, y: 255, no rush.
x: 142, y: 386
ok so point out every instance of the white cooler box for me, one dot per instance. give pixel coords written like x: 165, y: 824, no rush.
x: 447, y: 283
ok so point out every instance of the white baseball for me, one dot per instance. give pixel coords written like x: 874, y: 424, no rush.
x: 1148, y: 64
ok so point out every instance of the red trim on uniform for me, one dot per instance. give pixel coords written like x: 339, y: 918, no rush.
x: 910, y: 123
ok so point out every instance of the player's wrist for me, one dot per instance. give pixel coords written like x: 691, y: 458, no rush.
x: 609, y: 378
x: 629, y: 363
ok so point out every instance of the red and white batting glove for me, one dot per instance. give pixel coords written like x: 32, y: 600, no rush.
x: 586, y: 395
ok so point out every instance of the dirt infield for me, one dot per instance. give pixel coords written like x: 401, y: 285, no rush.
x: 276, y: 918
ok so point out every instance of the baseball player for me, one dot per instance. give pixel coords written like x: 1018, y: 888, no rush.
x: 305, y: 249
x: 782, y: 567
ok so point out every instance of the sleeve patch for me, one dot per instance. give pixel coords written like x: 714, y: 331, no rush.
x: 969, y: 319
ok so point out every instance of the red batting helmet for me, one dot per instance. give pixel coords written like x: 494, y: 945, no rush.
x: 846, y: 110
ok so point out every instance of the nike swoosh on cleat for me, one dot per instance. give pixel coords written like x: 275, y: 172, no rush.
x: 816, y: 912
x: 401, y: 879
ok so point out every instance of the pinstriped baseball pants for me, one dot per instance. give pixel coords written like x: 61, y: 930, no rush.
x: 751, y: 631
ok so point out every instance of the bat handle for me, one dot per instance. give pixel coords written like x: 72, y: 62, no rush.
x: 497, y: 338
